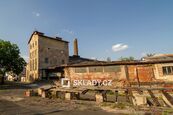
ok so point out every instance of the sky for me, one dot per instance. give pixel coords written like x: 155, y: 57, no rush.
x: 104, y: 28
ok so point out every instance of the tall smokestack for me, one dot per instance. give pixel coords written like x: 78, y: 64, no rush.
x: 75, y: 47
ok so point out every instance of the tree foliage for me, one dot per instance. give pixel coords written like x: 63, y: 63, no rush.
x: 127, y: 58
x: 108, y: 59
x: 10, y: 59
x: 150, y: 54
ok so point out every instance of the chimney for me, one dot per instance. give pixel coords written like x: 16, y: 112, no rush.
x: 75, y: 47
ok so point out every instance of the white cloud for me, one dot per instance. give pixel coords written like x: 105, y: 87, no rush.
x: 36, y: 14
x: 119, y: 47
x: 69, y: 31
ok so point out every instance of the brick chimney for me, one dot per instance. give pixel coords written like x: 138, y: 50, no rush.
x: 75, y: 46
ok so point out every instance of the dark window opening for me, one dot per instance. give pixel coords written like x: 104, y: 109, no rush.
x: 96, y: 69
x: 46, y: 60
x: 112, y: 68
x: 63, y: 62
x: 167, y: 70
x: 81, y: 70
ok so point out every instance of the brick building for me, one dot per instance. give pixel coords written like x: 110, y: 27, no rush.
x: 50, y: 57
x: 44, y: 52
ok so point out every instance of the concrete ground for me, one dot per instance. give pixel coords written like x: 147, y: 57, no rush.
x: 13, y: 102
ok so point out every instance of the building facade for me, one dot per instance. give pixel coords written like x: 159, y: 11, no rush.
x: 44, y: 52
x: 122, y: 73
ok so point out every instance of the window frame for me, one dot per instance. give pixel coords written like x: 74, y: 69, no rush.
x: 167, y: 70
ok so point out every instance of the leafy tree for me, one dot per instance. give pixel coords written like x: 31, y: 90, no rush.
x: 108, y: 59
x: 127, y: 58
x: 150, y: 54
x: 10, y: 59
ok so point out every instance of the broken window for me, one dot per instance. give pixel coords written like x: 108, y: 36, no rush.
x: 112, y: 69
x: 80, y: 70
x: 96, y: 69
x: 167, y: 70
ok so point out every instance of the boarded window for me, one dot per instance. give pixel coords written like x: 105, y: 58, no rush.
x: 96, y: 69
x: 112, y: 68
x: 80, y: 70
x: 167, y: 70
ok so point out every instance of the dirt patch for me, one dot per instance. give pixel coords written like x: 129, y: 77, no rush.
x: 11, y: 98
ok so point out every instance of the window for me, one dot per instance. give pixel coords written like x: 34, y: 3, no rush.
x: 35, y: 64
x: 63, y: 62
x: 30, y: 65
x: 80, y: 70
x: 30, y: 46
x: 112, y: 68
x: 46, y: 60
x: 35, y: 52
x: 35, y: 43
x: 30, y: 55
x: 96, y: 69
x: 167, y: 70
x: 62, y: 51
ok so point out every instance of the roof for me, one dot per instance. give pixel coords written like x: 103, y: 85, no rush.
x: 77, y: 60
x: 42, y: 35
x: 160, y: 57
x: 101, y: 63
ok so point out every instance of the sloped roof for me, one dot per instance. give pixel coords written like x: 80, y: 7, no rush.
x: 42, y: 35
x: 160, y: 57
x: 83, y: 63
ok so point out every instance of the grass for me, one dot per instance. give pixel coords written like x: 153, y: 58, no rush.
x: 114, y: 105
x: 167, y: 112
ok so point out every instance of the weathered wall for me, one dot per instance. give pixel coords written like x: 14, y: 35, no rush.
x: 56, y: 51
x: 118, y: 78
x: 40, y: 47
x: 143, y: 73
x: 159, y: 72
x: 33, y: 59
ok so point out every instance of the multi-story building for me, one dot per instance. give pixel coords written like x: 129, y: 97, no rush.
x: 44, y: 52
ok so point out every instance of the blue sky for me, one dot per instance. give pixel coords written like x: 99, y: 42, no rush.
x: 104, y: 28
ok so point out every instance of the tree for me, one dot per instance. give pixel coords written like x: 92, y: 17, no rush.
x: 127, y: 58
x: 108, y: 59
x: 10, y: 59
x: 150, y: 54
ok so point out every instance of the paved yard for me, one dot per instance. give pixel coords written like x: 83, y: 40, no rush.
x: 13, y: 102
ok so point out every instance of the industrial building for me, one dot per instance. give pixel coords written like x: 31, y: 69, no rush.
x: 49, y: 57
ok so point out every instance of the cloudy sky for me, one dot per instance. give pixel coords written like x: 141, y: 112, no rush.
x: 104, y: 28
